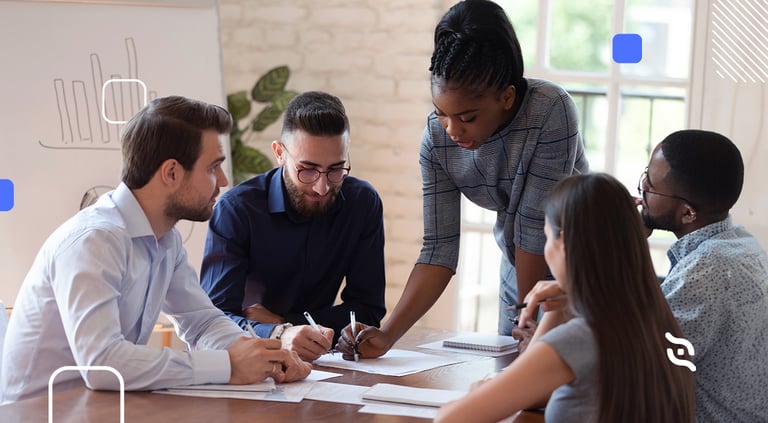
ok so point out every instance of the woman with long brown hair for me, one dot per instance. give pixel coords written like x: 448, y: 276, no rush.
x: 600, y: 352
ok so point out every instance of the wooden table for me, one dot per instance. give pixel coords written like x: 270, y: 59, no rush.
x: 84, y: 405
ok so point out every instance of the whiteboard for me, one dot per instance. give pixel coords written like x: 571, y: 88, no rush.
x: 56, y: 142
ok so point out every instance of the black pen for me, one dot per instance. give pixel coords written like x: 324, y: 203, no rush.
x: 521, y: 306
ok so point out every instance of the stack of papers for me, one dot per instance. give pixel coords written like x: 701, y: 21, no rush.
x: 266, y: 390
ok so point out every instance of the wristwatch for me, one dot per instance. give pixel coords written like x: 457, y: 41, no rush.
x: 277, y: 332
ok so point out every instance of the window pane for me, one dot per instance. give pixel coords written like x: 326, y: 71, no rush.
x: 479, y: 275
x: 580, y: 38
x: 592, y: 104
x: 665, y: 26
x: 523, y: 15
x: 647, y: 115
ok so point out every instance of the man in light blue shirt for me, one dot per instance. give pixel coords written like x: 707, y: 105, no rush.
x: 99, y: 282
x: 717, y: 287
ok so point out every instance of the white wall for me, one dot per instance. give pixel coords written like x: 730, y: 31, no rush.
x: 737, y: 109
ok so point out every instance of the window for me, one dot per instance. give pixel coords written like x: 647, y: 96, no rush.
x: 625, y: 110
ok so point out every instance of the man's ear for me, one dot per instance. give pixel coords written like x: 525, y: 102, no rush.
x: 170, y: 172
x: 689, y: 214
x: 278, y: 148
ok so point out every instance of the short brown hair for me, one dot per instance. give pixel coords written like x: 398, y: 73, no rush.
x: 167, y: 128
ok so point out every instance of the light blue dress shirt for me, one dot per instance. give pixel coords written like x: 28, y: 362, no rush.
x: 718, y: 291
x: 92, y: 297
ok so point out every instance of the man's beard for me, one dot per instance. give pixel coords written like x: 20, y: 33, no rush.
x: 308, y: 208
x: 664, y: 222
x: 177, y: 208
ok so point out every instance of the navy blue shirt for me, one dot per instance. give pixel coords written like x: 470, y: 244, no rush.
x: 259, y: 250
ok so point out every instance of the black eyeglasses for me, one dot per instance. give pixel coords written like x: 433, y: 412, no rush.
x: 310, y: 176
x: 642, y: 191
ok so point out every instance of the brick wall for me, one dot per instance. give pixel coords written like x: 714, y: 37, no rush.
x: 372, y: 54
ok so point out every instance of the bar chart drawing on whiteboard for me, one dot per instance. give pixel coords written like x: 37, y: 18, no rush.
x: 89, y: 114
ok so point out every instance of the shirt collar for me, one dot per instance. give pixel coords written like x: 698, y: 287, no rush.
x: 275, y: 194
x: 690, y: 242
x: 136, y: 222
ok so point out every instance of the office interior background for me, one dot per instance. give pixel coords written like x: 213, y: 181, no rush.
x: 375, y: 57
x: 704, y: 65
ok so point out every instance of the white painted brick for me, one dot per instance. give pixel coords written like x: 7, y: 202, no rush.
x: 230, y: 13
x: 407, y: 19
x: 256, y: 12
x: 280, y: 38
x: 362, y: 84
x: 324, y: 62
x: 312, y: 38
x: 415, y: 89
x: 342, y: 17
x: 406, y: 64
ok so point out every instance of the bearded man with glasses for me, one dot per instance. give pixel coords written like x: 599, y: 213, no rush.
x: 717, y: 286
x: 281, y: 243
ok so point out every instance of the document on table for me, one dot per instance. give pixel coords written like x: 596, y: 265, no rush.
x: 400, y: 410
x: 267, y: 385
x: 285, y: 392
x: 337, y: 392
x: 266, y: 390
x: 394, y: 363
x: 400, y: 394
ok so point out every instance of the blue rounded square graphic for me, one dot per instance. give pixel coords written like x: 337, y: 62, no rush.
x: 627, y: 48
x: 6, y: 195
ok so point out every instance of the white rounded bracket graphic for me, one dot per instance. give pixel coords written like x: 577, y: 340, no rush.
x: 104, y: 93
x: 88, y: 368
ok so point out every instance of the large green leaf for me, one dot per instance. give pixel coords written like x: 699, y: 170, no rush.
x: 247, y: 161
x: 272, y: 112
x: 238, y: 105
x: 266, y: 117
x: 270, y: 84
x: 281, y: 100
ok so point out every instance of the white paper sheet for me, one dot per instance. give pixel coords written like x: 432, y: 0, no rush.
x: 411, y: 395
x: 316, y: 375
x: 267, y: 385
x: 400, y: 410
x: 394, y: 363
x: 337, y: 392
x: 285, y: 392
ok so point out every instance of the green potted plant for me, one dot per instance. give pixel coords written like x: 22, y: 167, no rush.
x: 270, y: 90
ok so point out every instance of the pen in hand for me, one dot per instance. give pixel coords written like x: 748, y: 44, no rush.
x: 250, y: 330
x: 521, y: 306
x: 315, y: 327
x: 352, y: 323
x: 312, y: 321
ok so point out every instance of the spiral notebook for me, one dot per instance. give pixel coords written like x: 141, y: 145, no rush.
x: 481, y: 342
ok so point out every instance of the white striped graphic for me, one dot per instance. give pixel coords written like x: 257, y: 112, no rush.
x: 740, y: 40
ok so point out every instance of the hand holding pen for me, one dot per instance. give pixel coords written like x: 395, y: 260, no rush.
x: 367, y: 341
x: 546, y: 294
x: 307, y: 341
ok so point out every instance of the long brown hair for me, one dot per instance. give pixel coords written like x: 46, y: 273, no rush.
x: 612, y: 284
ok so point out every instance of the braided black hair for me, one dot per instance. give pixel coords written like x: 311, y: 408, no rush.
x: 476, y: 46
